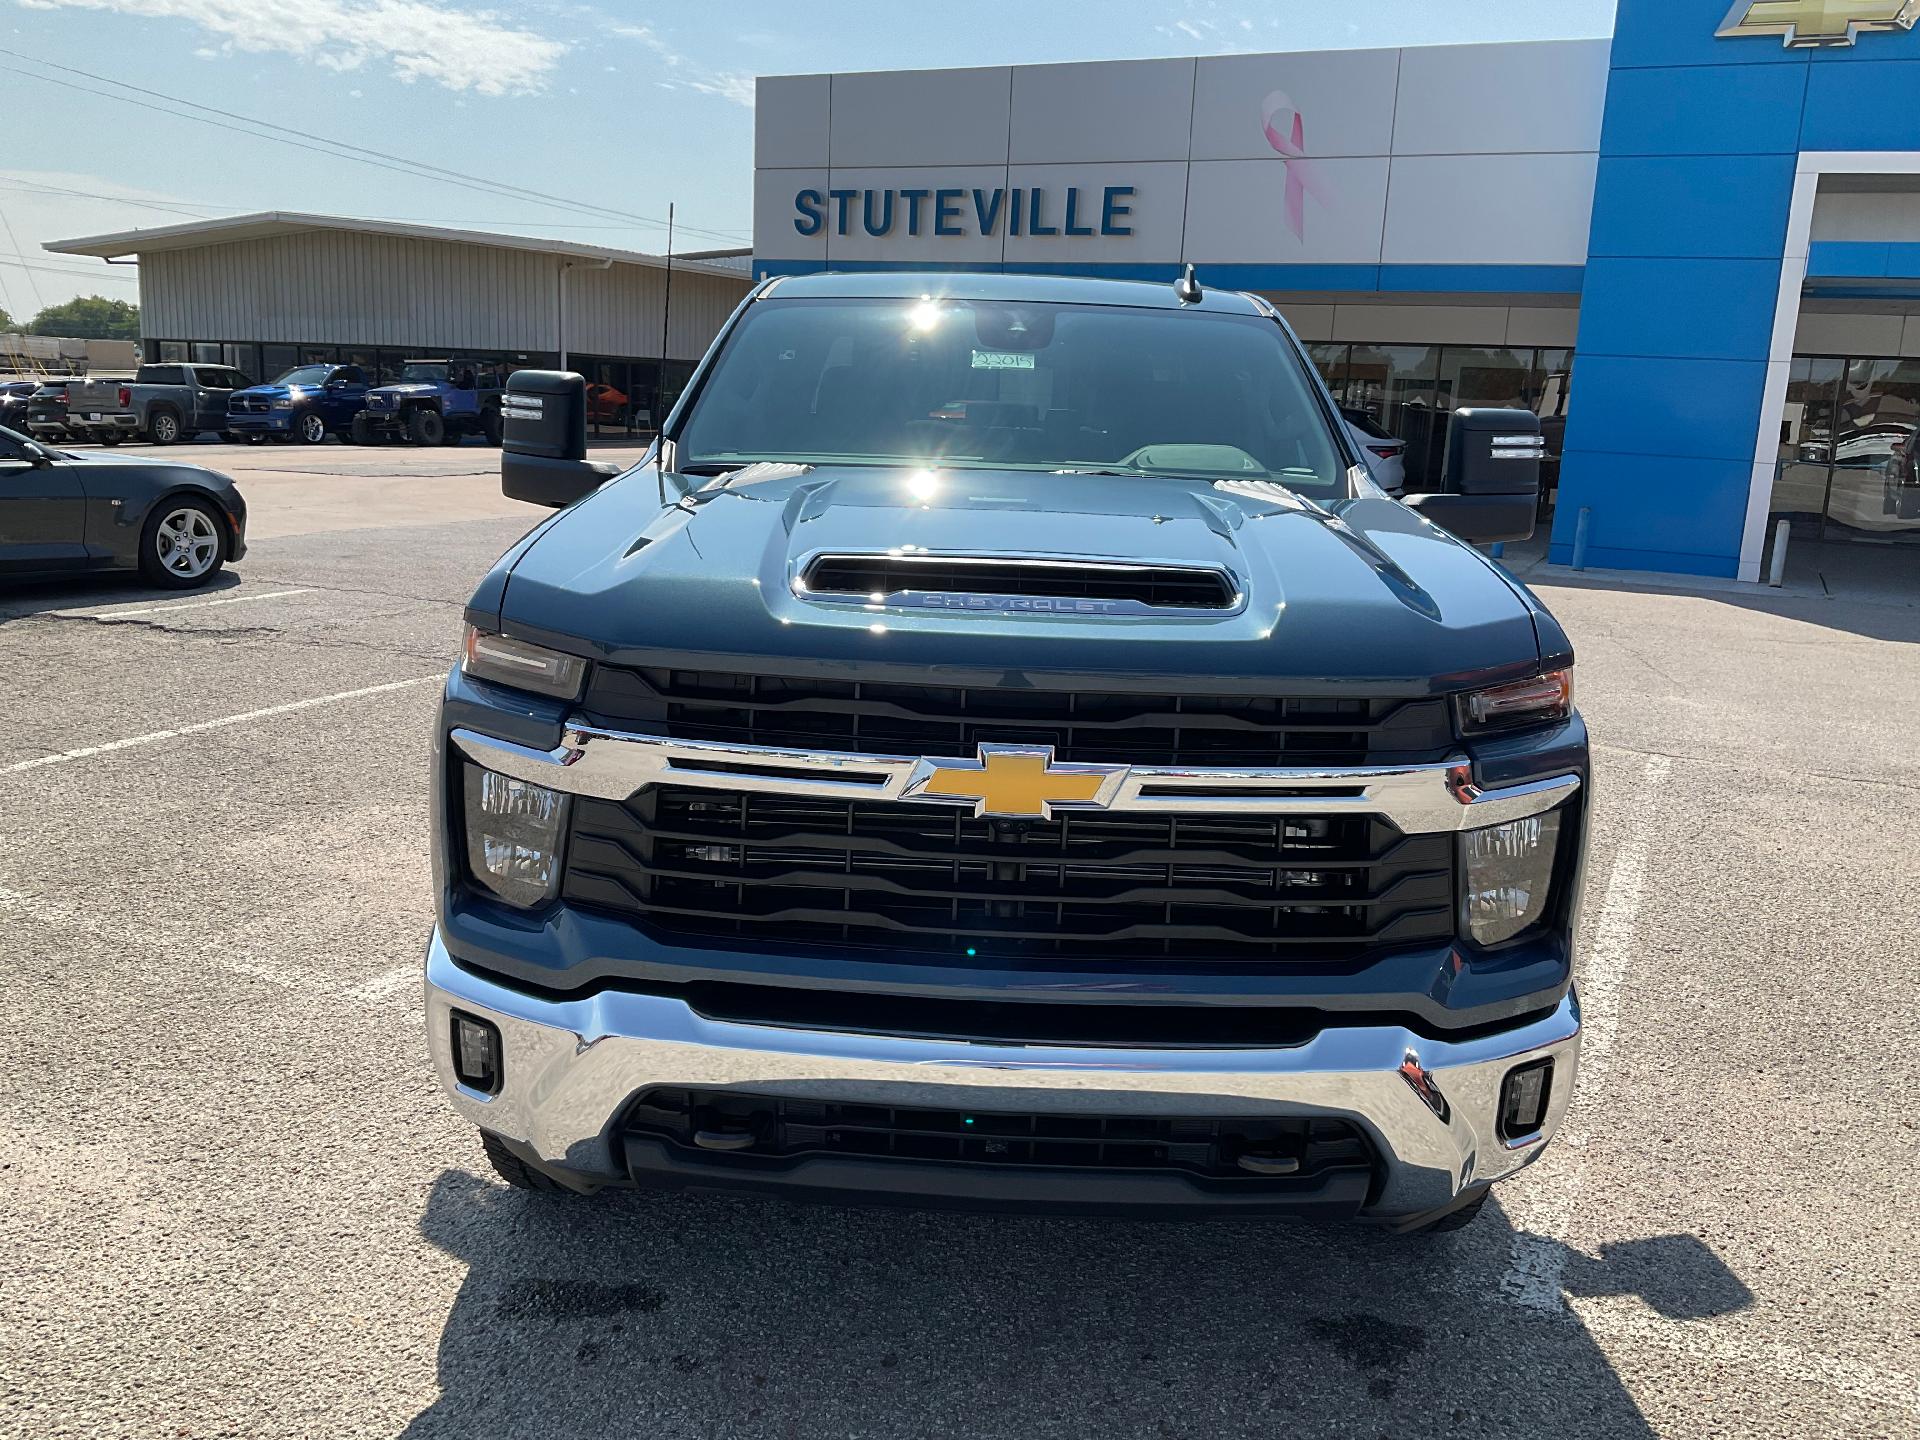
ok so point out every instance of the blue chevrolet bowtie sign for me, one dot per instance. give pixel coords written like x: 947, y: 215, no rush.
x: 1019, y: 210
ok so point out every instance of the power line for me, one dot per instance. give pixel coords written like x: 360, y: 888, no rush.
x: 32, y: 284
x: 32, y: 187
x: 360, y: 154
x: 63, y: 274
x: 46, y: 262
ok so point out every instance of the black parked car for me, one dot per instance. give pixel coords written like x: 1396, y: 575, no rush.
x: 13, y: 402
x: 62, y: 513
x: 46, y: 417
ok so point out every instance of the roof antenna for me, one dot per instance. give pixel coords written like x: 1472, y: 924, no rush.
x: 1187, y: 289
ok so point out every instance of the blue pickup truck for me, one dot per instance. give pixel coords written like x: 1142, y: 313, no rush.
x: 307, y: 403
x: 435, y: 402
x: 1001, y: 748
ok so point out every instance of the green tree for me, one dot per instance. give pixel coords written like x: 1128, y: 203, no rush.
x: 89, y: 317
x: 8, y: 326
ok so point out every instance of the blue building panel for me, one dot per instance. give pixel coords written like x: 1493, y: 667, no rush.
x: 1690, y: 409
x: 1692, y: 205
x: 1867, y: 105
x: 1704, y: 110
x: 1683, y: 32
x: 1700, y: 309
x: 1672, y: 512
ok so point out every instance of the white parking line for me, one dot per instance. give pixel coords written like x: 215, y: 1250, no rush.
x: 1536, y: 1256
x: 154, y: 737
x: 109, y: 614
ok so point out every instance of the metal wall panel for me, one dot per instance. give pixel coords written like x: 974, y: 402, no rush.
x: 341, y: 288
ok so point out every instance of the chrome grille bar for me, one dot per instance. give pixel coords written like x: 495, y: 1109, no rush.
x: 1416, y: 799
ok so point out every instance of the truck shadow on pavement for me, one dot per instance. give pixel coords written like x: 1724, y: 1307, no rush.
x: 711, y: 1315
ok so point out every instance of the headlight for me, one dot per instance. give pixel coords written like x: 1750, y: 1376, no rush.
x: 285, y: 403
x: 523, y: 666
x: 1538, y: 701
x: 1509, y: 872
x: 513, y: 836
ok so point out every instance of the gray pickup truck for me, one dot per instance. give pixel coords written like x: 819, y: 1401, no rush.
x: 163, y: 403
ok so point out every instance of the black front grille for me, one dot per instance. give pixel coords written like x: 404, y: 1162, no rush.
x: 1251, y: 1150
x: 883, y: 718
x: 249, y: 404
x: 720, y: 866
x: 1168, y: 587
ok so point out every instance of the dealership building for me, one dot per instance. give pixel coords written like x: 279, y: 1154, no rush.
x: 264, y: 293
x: 1693, y: 249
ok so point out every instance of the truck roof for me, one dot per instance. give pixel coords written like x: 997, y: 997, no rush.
x: 991, y: 285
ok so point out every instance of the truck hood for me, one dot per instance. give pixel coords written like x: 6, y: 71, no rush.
x: 412, y: 387
x: 1360, y: 596
x: 279, y: 392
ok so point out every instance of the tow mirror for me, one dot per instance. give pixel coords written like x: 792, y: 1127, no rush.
x: 543, y: 439
x: 1490, y: 480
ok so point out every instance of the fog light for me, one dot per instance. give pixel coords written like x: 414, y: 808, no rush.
x: 1509, y: 870
x: 513, y: 836
x: 476, y: 1053
x: 1523, y: 1099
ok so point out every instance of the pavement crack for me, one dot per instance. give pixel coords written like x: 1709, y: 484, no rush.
x: 1800, y: 774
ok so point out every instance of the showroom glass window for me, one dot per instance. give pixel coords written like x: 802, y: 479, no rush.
x: 1848, y: 463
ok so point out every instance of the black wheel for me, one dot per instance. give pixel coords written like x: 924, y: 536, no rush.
x: 1458, y: 1219
x: 183, y: 544
x: 515, y: 1171
x: 311, y: 429
x: 163, y: 425
x: 109, y: 437
x: 346, y: 435
x: 490, y: 427
x: 362, y: 430
x: 426, y: 427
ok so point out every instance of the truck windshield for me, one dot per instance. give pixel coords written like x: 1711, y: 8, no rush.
x: 431, y: 371
x: 304, y: 375
x: 978, y: 384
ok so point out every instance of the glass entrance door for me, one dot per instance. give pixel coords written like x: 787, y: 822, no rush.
x: 1849, y: 459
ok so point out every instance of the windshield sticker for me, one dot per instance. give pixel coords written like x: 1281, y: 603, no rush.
x: 1002, y: 360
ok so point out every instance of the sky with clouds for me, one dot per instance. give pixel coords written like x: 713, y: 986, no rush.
x: 624, y: 104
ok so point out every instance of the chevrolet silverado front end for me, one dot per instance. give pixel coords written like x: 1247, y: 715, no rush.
x: 1003, y: 750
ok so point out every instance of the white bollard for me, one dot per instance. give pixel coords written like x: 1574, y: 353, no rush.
x: 1779, y: 570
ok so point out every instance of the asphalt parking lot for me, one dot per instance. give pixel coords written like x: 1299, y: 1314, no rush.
x: 232, y: 1203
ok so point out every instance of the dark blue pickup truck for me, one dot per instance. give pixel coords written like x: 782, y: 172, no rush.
x: 1002, y: 749
x: 307, y: 403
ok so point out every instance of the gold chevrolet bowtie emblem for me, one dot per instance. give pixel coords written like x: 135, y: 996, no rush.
x: 1016, y: 780
x: 1804, y: 23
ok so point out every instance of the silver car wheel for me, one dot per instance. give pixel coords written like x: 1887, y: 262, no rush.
x: 187, y: 543
x: 312, y: 428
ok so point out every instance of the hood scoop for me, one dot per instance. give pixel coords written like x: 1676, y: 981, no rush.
x: 1043, y: 586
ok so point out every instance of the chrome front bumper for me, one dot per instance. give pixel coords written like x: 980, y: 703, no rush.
x: 571, y: 1066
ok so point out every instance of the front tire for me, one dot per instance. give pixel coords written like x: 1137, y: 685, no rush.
x: 515, y: 1171
x: 427, y: 427
x: 163, y: 426
x: 362, y: 430
x: 1458, y: 1219
x: 490, y: 427
x: 182, y: 545
x: 312, y: 429
x: 109, y: 437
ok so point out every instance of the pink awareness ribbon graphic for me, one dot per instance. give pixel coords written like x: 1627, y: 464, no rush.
x: 1303, y: 176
